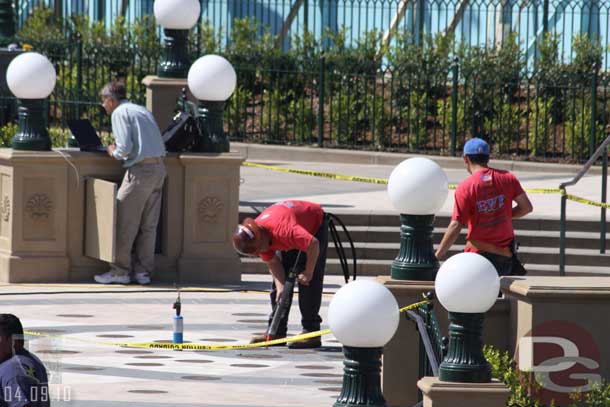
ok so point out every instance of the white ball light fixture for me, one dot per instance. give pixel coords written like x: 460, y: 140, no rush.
x: 31, y: 76
x: 467, y: 283
x: 363, y: 314
x: 418, y: 186
x: 177, y: 14
x: 212, y: 78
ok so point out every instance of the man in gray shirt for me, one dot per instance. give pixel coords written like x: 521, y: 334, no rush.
x: 138, y: 143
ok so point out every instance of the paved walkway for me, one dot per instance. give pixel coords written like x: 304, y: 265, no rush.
x: 92, y: 374
x: 261, y: 187
x: 88, y: 374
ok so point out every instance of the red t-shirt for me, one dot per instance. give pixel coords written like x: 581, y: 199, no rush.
x: 291, y: 224
x: 484, y: 201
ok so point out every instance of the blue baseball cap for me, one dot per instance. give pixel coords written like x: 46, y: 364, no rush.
x: 476, y: 146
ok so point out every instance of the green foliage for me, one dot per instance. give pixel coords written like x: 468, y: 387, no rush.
x: 6, y: 134
x: 236, y: 114
x: 599, y: 396
x: 504, y: 125
x: 524, y: 388
x: 209, y: 39
x: 444, y: 110
x: 540, y: 125
x: 588, y: 56
x: 59, y: 137
x: 577, y: 129
x: 522, y: 385
x: 303, y: 119
x: 40, y: 28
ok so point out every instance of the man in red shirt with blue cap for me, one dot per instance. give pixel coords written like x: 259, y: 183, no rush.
x: 276, y: 236
x: 484, y: 202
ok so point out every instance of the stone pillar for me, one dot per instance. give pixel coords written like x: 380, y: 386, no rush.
x: 43, y: 228
x: 400, y: 370
x: 451, y: 394
x: 567, y: 319
x: 162, y: 97
x: 33, y: 217
x: 211, y: 207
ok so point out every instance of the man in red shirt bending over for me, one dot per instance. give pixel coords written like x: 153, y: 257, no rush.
x: 276, y: 236
x: 484, y: 202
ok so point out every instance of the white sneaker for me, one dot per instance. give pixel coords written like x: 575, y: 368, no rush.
x: 111, y: 277
x: 142, y: 278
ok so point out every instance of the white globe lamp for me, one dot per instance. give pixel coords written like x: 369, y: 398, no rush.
x: 417, y: 188
x: 467, y: 285
x: 176, y: 17
x: 212, y: 80
x: 31, y: 78
x: 363, y: 315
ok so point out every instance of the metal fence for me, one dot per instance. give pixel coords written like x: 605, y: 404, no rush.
x: 476, y: 23
x: 425, y: 94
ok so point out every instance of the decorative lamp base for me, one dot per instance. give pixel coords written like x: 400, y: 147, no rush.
x: 32, y: 133
x: 175, y: 61
x: 416, y: 259
x: 212, y: 137
x: 465, y: 362
x: 361, y: 378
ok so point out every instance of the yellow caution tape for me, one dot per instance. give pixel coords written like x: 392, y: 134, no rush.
x: 580, y: 199
x: 197, y: 346
x: 322, y: 174
x: 384, y: 181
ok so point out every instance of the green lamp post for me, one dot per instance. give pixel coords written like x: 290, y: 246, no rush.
x: 7, y: 22
x: 418, y: 188
x: 363, y: 315
x: 211, y: 79
x: 31, y: 78
x: 176, y: 17
x: 467, y: 285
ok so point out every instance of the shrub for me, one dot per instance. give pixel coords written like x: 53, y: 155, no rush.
x: 577, y: 129
x: 539, y: 121
x: 6, y: 134
x: 522, y: 386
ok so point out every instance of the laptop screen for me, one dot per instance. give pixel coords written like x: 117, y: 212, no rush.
x: 84, y: 133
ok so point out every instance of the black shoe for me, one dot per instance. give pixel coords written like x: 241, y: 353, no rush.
x: 309, y: 343
x: 263, y: 338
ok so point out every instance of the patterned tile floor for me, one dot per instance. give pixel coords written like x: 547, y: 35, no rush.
x: 84, y: 373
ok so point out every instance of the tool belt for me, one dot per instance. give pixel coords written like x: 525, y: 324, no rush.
x: 489, y: 248
x: 510, y: 251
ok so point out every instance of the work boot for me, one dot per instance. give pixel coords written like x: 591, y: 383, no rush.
x: 310, y: 343
x: 263, y: 338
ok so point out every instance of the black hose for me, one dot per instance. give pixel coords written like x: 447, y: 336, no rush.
x: 339, y: 245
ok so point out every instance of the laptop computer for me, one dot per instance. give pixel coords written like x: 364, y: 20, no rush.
x: 86, y: 135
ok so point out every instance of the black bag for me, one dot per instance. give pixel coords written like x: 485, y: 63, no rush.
x: 181, y: 132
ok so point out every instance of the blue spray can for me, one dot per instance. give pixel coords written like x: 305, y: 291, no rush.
x: 178, y: 322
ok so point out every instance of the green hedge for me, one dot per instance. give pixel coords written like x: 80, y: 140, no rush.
x: 364, y: 95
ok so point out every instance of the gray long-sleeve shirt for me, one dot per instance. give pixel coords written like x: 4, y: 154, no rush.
x: 136, y: 134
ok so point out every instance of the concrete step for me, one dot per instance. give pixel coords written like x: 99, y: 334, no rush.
x: 534, y: 255
x: 390, y: 234
x: 352, y: 219
x: 383, y: 267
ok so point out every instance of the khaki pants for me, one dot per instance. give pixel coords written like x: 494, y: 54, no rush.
x: 139, y: 206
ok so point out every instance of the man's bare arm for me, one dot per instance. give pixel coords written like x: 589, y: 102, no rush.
x: 524, y: 206
x: 276, y: 269
x: 449, y: 238
x: 313, y: 252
